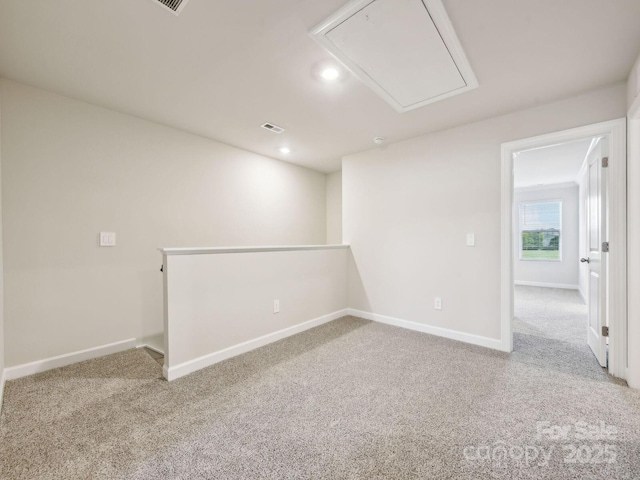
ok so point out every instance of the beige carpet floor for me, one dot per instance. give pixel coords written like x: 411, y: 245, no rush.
x: 350, y: 399
x: 552, y: 313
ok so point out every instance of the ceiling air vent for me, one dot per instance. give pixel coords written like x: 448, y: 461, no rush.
x: 272, y: 128
x: 174, y: 6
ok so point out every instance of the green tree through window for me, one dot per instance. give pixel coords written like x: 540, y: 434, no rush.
x: 540, y: 230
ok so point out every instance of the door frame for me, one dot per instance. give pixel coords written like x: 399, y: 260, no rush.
x: 633, y: 231
x: 616, y: 131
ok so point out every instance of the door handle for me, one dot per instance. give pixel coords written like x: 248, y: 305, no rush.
x: 585, y: 260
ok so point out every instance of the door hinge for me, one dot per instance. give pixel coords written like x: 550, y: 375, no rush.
x: 605, y: 331
x: 605, y: 162
x: 605, y: 247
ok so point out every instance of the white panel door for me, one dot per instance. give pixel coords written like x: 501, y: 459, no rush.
x: 597, y: 260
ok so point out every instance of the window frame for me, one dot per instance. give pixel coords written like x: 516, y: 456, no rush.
x: 561, y: 240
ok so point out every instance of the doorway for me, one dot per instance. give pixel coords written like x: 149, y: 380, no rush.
x: 546, y: 217
x: 558, y: 286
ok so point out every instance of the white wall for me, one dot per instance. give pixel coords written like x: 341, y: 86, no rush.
x: 408, y: 207
x: 633, y: 227
x: 565, y: 272
x: 633, y: 83
x: 221, y: 301
x: 334, y: 208
x: 1, y: 276
x: 71, y: 170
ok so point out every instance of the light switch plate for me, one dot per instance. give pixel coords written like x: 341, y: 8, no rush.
x: 107, y: 239
x: 276, y: 306
x: 471, y: 239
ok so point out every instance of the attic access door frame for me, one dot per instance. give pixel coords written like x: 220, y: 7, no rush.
x: 407, y: 52
x: 616, y: 132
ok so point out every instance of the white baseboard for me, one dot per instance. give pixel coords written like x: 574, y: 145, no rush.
x: 487, y: 342
x: 566, y: 286
x: 199, y: 363
x: 40, y: 366
x: 2, y: 381
x: 150, y: 347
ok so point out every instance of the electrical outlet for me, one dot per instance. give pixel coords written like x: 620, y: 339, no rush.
x: 107, y: 239
x: 471, y: 240
x: 437, y: 303
x: 276, y: 306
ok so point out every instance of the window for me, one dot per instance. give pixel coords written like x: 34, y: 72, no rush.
x: 541, y: 231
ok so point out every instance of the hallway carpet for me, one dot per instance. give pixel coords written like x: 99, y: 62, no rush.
x: 551, y: 313
x: 550, y: 328
x: 351, y: 399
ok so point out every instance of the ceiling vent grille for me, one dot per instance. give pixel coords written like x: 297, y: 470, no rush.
x: 174, y: 6
x: 272, y: 128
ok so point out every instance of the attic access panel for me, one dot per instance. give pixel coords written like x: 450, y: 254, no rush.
x: 405, y: 50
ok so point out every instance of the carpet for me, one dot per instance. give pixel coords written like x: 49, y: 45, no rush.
x: 554, y: 313
x: 351, y: 399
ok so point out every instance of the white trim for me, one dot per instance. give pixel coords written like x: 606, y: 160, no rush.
x: 40, y: 366
x: 177, y: 371
x: 565, y: 286
x: 2, y: 382
x: 617, y: 261
x: 507, y: 263
x: 633, y: 219
x: 549, y: 186
x: 617, y: 308
x: 487, y: 342
x: 218, y: 250
x: 441, y: 20
x: 155, y: 349
x: 582, y: 295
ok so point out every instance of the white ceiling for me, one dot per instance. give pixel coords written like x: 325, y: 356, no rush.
x: 223, y: 67
x: 550, y: 165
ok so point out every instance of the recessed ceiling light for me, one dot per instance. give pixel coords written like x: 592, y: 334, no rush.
x: 284, y: 150
x: 330, y: 74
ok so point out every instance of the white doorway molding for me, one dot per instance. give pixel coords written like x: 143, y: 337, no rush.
x: 616, y: 131
x: 633, y: 239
